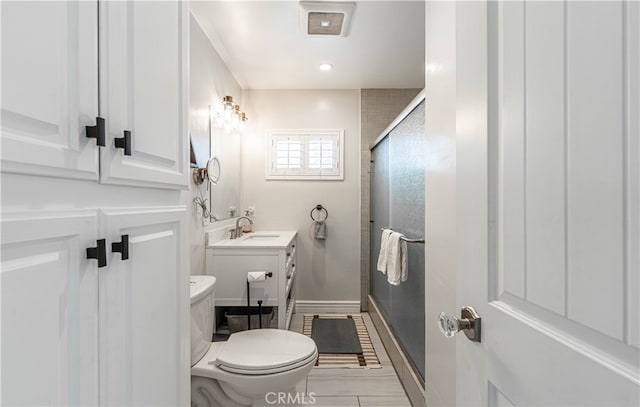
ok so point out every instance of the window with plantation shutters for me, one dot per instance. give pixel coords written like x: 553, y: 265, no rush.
x: 305, y: 154
x: 288, y: 154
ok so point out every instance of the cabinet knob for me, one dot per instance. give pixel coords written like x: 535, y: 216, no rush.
x: 121, y: 247
x: 99, y: 252
x: 124, y: 142
x: 97, y: 132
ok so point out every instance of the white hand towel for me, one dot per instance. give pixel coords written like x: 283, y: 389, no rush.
x: 397, y: 259
x: 384, y: 251
x: 320, y: 230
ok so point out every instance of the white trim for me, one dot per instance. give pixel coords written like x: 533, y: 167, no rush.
x: 412, y: 105
x: 327, y: 307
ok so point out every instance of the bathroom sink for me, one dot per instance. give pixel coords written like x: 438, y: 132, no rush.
x: 261, y: 237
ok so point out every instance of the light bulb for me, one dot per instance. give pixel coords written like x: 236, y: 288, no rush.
x: 227, y: 102
x: 242, y: 125
x: 235, y: 117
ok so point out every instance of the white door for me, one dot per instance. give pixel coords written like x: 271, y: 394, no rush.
x: 144, y: 310
x: 49, y: 292
x: 548, y: 202
x: 143, y: 88
x: 49, y: 88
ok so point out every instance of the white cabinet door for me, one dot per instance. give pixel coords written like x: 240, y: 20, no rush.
x: 144, y: 310
x: 548, y: 188
x: 49, y: 88
x: 143, y: 88
x: 49, y: 310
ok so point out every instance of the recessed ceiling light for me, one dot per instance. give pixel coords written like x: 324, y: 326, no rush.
x: 326, y: 67
x: 325, y: 23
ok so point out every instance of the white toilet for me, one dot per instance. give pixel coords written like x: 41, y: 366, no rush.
x: 251, y: 364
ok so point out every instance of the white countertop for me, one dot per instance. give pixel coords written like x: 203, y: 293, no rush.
x: 260, y: 239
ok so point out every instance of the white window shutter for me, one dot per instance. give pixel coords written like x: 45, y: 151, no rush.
x: 306, y: 154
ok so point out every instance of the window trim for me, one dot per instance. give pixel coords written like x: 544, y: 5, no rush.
x: 304, y: 173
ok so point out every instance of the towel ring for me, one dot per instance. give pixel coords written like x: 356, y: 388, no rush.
x: 319, y: 208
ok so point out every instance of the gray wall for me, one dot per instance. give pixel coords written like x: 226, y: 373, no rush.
x: 210, y: 80
x: 328, y: 270
x: 378, y: 109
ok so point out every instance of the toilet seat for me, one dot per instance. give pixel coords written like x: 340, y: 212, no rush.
x: 265, y: 351
x: 310, y: 359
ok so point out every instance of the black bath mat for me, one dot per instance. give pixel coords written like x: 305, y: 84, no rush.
x: 367, y: 359
x: 335, y: 336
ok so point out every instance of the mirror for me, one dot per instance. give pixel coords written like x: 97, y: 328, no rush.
x: 225, y: 193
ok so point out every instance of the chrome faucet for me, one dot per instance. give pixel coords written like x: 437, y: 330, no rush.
x: 238, y: 229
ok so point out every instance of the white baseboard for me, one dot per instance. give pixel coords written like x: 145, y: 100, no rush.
x: 327, y: 307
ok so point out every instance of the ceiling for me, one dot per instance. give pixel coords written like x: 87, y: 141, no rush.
x: 262, y: 46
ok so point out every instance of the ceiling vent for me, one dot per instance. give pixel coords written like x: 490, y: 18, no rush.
x: 329, y: 19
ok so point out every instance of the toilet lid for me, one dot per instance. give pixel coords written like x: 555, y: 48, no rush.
x: 265, y: 350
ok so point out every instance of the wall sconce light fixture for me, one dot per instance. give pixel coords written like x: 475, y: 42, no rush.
x: 230, y: 118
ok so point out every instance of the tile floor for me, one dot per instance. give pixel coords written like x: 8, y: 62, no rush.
x: 344, y: 387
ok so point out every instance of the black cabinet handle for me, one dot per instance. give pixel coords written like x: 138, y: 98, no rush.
x: 122, y: 247
x: 97, y: 132
x: 99, y: 252
x: 124, y: 142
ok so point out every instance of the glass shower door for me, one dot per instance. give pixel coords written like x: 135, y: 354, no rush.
x: 397, y: 201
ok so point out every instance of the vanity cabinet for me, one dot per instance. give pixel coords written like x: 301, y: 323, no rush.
x: 74, y: 333
x: 230, y: 261
x: 53, y: 88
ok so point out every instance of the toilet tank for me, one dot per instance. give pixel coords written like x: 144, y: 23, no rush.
x: 202, y: 315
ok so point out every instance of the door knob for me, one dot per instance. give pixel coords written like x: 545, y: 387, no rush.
x: 469, y: 322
